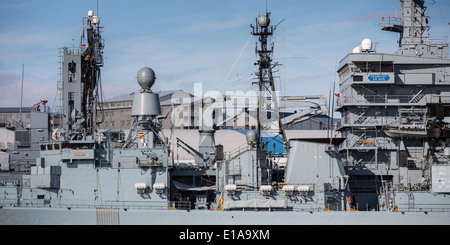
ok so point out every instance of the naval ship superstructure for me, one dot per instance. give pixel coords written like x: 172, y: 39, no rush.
x: 395, y: 115
x: 82, y: 177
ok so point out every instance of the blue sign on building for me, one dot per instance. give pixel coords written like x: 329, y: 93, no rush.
x: 379, y: 77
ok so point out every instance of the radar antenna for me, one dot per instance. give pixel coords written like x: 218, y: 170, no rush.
x: 80, y: 81
x: 269, y: 122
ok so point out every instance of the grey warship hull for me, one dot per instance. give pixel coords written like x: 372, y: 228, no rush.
x: 107, y: 196
x: 77, y: 216
x: 380, y: 172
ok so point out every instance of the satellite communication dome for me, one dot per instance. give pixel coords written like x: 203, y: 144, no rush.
x: 146, y: 78
x: 95, y: 20
x: 263, y: 21
x: 366, y: 44
x: 357, y: 50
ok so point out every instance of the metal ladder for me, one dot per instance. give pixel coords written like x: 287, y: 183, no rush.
x: 417, y: 97
x: 410, y: 200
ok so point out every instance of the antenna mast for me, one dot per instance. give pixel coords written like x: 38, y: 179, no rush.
x: 269, y: 123
x: 81, y: 80
x: 21, y: 93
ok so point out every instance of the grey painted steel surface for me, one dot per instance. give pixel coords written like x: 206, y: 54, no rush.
x: 387, y: 102
x: 146, y: 104
x: 51, y: 216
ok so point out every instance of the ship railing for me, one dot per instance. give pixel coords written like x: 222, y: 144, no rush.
x: 363, y: 141
x: 180, y: 205
x: 86, y: 204
x: 438, y: 40
x: 437, y: 98
x: 136, y: 205
x: 90, y: 204
x: 424, y: 207
x: 237, y: 151
x: 72, y: 50
x: 390, y: 21
x: 364, y: 166
x: 396, y: 99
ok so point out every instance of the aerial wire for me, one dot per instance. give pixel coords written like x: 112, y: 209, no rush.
x: 333, y: 102
x: 21, y: 87
x: 235, y: 62
x: 21, y: 93
x: 284, y: 56
x: 309, y: 56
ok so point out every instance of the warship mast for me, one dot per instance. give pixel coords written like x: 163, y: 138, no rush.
x: 269, y: 122
x: 414, y: 39
x: 80, y: 81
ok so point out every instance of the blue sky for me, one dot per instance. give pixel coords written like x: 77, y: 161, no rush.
x: 187, y: 42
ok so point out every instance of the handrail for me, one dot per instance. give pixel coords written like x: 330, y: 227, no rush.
x: 403, y: 99
x: 237, y: 151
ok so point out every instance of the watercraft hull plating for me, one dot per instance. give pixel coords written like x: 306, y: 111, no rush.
x: 52, y: 216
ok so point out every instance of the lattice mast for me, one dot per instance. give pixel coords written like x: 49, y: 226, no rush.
x: 93, y: 61
x: 269, y: 123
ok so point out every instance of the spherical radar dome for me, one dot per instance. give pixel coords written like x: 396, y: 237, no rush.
x: 263, y: 21
x: 146, y: 77
x: 251, y: 136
